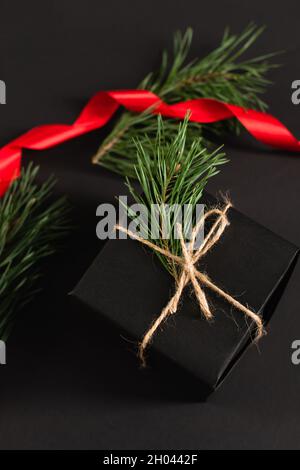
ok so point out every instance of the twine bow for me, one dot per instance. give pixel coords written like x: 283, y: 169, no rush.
x: 190, y: 274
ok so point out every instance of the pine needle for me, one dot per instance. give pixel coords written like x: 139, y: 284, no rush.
x: 30, y: 226
x: 171, y: 173
x: 221, y: 75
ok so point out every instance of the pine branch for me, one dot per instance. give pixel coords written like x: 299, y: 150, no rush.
x: 220, y: 75
x: 30, y: 226
x: 170, y: 173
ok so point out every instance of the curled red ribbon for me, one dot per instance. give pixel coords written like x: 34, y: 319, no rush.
x: 101, y: 107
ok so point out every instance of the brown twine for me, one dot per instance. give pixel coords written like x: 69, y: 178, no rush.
x: 189, y: 274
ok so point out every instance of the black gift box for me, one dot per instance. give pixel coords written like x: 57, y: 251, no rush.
x: 128, y: 285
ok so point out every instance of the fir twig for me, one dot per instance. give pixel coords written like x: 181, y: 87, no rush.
x: 30, y: 225
x: 171, y: 173
x: 220, y: 75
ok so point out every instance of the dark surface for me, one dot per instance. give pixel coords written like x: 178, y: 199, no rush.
x: 68, y: 383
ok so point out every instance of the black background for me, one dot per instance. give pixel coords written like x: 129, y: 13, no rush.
x: 69, y: 381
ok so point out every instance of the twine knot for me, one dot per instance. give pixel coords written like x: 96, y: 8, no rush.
x: 189, y: 274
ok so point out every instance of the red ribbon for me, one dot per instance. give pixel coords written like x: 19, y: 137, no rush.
x: 99, y: 110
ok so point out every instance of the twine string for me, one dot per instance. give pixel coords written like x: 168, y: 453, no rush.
x: 190, y: 274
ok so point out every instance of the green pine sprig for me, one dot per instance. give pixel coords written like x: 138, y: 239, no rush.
x: 171, y: 173
x: 30, y: 226
x: 222, y: 75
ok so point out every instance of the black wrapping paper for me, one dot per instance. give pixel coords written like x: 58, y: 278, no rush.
x: 128, y: 285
